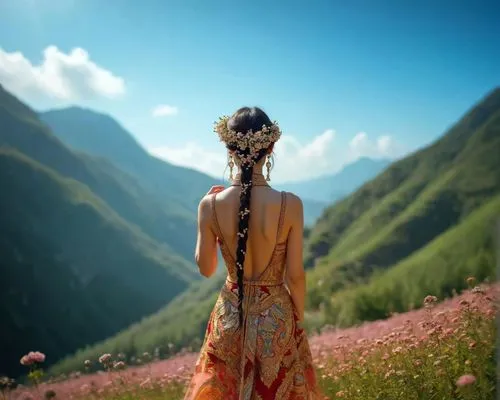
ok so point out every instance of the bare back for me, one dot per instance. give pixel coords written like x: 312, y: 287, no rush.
x: 264, y: 233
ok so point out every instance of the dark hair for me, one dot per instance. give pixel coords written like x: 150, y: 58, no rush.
x: 244, y: 120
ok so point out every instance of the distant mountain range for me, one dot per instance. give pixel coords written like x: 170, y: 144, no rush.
x: 100, y: 135
x: 422, y: 226
x: 318, y: 193
x: 330, y: 188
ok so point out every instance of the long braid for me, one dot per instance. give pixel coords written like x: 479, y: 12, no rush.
x: 248, y: 134
x: 244, y: 220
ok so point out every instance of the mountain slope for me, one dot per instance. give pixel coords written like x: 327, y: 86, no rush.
x: 439, y: 268
x: 73, y: 271
x: 180, y: 324
x: 100, y: 135
x: 410, y: 204
x: 169, y: 221
x: 330, y: 188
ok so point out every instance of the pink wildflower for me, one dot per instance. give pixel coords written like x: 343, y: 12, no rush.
x: 32, y: 357
x: 36, y: 356
x: 466, y: 380
x: 25, y: 360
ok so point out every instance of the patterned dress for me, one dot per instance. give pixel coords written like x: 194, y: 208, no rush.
x: 269, y: 357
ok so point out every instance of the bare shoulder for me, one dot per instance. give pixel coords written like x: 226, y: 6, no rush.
x: 294, y: 204
x: 205, y: 206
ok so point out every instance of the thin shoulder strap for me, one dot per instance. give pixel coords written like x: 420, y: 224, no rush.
x: 282, y: 215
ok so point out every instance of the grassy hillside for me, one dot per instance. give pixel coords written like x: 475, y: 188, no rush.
x: 439, y: 268
x: 168, y: 221
x: 413, y: 202
x: 178, y: 325
x: 100, y: 135
x: 73, y: 271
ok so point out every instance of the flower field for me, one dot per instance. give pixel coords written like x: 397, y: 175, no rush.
x: 442, y: 351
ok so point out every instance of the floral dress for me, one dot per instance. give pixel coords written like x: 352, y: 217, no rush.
x: 269, y: 357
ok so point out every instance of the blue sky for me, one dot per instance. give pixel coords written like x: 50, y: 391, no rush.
x: 372, y: 78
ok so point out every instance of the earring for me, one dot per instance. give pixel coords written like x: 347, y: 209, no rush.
x: 231, y: 166
x: 268, y: 167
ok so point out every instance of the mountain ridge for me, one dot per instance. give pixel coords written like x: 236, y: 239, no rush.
x: 97, y: 134
x: 332, y: 187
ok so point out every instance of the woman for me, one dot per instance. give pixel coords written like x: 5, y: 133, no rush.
x: 255, y: 347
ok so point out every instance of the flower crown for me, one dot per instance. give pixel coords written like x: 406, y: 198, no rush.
x: 249, y: 144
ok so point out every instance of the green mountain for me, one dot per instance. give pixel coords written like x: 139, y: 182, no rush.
x: 412, y: 205
x: 439, y: 268
x: 100, y: 135
x: 420, y: 227
x: 78, y: 264
x: 167, y: 221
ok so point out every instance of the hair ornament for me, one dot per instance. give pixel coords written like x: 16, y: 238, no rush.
x: 249, y: 144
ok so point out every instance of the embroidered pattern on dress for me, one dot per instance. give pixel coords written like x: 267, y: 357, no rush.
x: 275, y: 361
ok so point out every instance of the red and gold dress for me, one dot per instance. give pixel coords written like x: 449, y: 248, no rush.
x: 269, y: 357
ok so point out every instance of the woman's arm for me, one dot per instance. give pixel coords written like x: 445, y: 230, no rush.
x: 295, y: 274
x: 206, y: 244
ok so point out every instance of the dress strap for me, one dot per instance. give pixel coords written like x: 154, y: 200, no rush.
x: 282, y: 216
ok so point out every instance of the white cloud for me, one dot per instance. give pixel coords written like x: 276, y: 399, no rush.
x: 294, y: 160
x: 61, y: 76
x: 194, y: 156
x: 164, y: 110
x: 382, y: 147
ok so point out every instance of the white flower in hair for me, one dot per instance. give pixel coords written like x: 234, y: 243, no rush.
x: 249, y: 144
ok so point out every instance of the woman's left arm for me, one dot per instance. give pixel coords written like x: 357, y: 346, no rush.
x: 206, y: 245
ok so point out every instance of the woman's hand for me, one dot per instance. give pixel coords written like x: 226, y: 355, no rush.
x: 215, y: 189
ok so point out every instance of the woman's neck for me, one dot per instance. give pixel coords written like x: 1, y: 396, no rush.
x: 258, y: 179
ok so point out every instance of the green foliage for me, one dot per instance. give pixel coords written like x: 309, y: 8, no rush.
x: 437, y: 269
